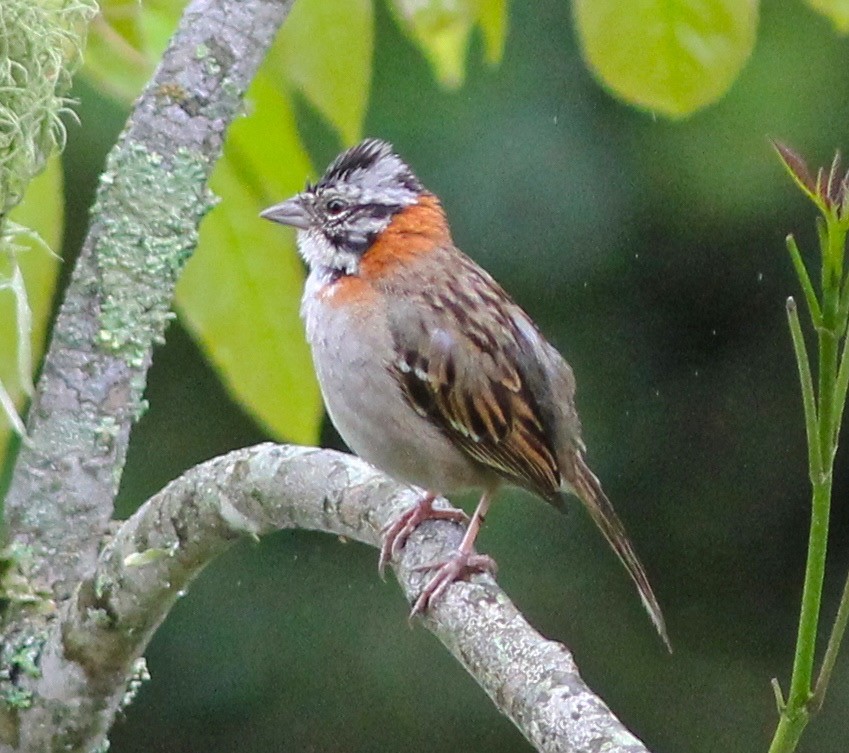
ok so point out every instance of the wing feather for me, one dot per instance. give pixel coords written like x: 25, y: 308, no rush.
x: 459, y: 364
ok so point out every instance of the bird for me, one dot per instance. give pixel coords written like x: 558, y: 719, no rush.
x: 427, y: 367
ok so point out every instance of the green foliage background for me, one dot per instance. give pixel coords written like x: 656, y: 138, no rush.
x: 652, y: 254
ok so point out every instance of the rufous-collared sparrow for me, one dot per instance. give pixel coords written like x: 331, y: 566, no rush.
x: 428, y: 369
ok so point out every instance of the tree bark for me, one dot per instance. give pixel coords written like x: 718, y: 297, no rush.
x: 103, y: 630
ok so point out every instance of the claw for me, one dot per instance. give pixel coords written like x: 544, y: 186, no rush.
x: 458, y: 565
x: 396, y: 533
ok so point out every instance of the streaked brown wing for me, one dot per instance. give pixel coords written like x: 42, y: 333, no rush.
x: 460, y: 367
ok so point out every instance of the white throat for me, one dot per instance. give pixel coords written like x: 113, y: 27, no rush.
x: 320, y: 254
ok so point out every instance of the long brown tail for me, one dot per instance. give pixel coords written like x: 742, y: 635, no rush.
x: 588, y: 488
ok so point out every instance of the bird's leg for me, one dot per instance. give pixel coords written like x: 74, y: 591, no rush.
x: 396, y: 533
x: 463, y: 561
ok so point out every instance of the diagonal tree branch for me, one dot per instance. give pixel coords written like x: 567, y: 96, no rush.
x: 159, y: 550
x: 151, y: 199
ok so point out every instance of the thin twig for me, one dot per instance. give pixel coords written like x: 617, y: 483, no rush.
x: 830, y: 658
x: 800, y: 350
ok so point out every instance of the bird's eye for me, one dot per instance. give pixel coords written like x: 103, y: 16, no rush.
x: 334, y: 206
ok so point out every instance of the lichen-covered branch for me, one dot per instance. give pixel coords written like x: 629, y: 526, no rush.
x: 151, y: 199
x: 105, y: 627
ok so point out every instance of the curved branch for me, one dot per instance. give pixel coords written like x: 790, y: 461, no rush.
x: 159, y: 550
x: 151, y: 199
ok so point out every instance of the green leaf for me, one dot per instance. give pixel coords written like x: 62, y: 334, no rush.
x: 441, y: 28
x: 836, y: 11
x: 669, y: 56
x: 42, y: 211
x: 492, y: 17
x: 325, y: 50
x: 240, y: 293
x: 125, y: 41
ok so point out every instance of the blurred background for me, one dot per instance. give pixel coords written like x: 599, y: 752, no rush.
x: 652, y: 254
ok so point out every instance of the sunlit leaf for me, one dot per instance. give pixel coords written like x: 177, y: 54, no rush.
x: 41, y: 211
x: 836, y: 11
x: 669, y: 56
x: 492, y: 17
x: 240, y: 293
x: 443, y: 28
x: 325, y: 49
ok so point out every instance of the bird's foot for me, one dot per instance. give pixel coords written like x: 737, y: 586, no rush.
x: 457, y: 566
x: 396, y: 533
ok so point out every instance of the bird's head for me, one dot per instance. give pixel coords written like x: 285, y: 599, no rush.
x: 342, y: 215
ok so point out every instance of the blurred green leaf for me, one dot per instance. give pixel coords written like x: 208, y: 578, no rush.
x: 42, y: 211
x: 159, y: 22
x: 669, y: 56
x: 240, y: 293
x: 325, y: 49
x: 442, y: 28
x: 836, y: 11
x: 115, y: 59
x: 125, y: 41
x: 492, y: 17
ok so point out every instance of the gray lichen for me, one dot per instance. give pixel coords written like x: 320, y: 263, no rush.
x: 138, y: 677
x: 151, y: 212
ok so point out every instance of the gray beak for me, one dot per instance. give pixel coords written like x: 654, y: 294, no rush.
x: 290, y: 212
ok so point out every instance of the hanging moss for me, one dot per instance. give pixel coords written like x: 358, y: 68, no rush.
x: 40, y: 48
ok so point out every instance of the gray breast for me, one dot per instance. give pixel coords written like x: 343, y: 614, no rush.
x: 352, y: 348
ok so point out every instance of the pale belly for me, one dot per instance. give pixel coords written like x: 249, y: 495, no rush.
x: 351, y: 352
